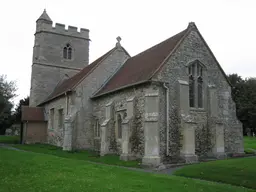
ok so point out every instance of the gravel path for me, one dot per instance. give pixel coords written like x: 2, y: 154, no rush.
x: 6, y: 146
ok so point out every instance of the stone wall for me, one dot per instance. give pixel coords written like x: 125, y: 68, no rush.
x: 119, y: 100
x: 193, y: 48
x: 44, y: 79
x: 82, y: 133
x: 81, y: 98
x: 55, y: 134
x: 48, y: 49
x: 49, y: 67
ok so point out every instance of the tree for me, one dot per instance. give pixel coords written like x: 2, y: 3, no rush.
x: 244, y: 95
x: 17, y: 113
x: 7, y: 93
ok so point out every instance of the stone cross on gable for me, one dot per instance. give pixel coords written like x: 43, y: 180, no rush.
x: 118, y: 39
x: 118, y: 44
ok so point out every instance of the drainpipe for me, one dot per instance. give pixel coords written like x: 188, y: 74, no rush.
x: 167, y: 118
x: 66, y: 103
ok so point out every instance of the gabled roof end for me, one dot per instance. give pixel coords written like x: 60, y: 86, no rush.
x: 192, y: 25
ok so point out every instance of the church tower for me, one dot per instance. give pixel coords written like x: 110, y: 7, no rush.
x: 58, y: 53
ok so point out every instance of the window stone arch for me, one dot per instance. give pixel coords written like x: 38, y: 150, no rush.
x: 196, y: 73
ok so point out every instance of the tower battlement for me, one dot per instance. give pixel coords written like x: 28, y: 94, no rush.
x: 45, y: 24
x: 61, y: 29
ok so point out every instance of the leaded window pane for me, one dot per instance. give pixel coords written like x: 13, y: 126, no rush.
x: 191, y: 92
x: 200, y: 92
x: 195, y: 85
x: 193, y: 69
x: 69, y: 53
x: 65, y: 53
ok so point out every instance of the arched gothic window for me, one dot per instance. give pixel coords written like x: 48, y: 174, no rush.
x: 119, y: 126
x: 196, y: 85
x: 67, y: 52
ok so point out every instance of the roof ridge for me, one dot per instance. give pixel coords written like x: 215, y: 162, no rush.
x: 142, y: 66
x: 158, y: 44
x: 60, y: 83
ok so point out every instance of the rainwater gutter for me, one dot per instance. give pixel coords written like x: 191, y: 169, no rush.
x: 66, y: 95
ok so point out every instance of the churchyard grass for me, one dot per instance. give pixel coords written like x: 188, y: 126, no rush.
x: 29, y: 172
x: 9, y: 139
x: 250, y: 142
x: 78, y: 154
x: 250, y: 151
x: 239, y: 172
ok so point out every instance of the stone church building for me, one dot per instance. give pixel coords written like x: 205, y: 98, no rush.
x: 170, y: 103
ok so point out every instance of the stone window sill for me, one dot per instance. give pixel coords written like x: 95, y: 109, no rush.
x: 97, y: 138
x: 68, y: 60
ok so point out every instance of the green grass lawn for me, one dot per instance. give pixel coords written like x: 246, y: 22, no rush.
x: 30, y: 172
x: 9, y: 139
x: 241, y: 172
x: 79, y: 154
x: 250, y: 142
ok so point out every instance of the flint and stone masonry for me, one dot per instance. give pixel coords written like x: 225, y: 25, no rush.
x: 145, y: 113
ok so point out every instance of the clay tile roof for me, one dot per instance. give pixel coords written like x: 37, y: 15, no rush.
x: 69, y: 84
x: 32, y: 113
x: 141, y: 67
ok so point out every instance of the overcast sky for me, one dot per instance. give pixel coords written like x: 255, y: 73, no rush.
x: 228, y: 26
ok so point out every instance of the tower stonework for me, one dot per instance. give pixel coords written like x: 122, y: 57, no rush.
x: 58, y: 53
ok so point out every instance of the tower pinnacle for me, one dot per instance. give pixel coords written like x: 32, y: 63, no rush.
x: 45, y: 17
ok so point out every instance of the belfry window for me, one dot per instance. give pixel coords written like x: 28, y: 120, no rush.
x: 196, y: 85
x: 67, y: 52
